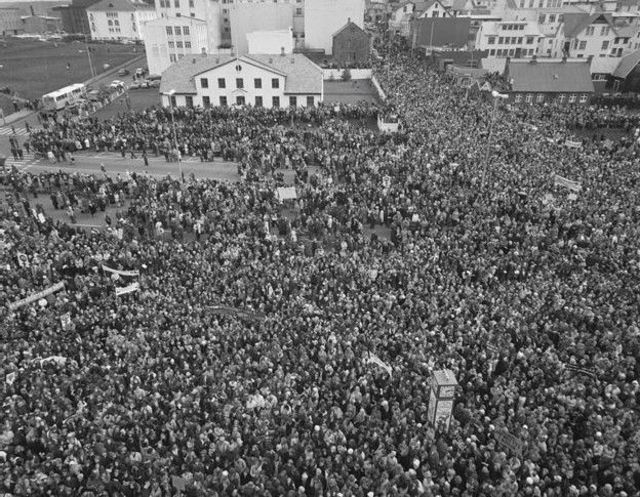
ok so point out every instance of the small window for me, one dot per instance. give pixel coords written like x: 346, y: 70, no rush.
x: 187, y: 44
x: 529, y: 40
x: 206, y: 102
x: 174, y: 102
x: 491, y: 40
x: 222, y: 83
x: 529, y: 98
x: 191, y: 3
x: 177, y: 31
x: 172, y: 44
x: 258, y: 101
x: 561, y: 98
x: 605, y: 45
x: 204, y: 83
x: 590, y: 30
x: 293, y: 101
x: 223, y: 101
x: 310, y: 101
x: 189, y: 99
x: 583, y: 98
x: 500, y: 40
x: 172, y: 57
x: 582, y: 45
x: 275, y: 102
x: 518, y: 98
x: 239, y: 83
x: 257, y: 83
x: 240, y: 100
x: 492, y: 51
x: 185, y: 30
x: 552, y: 18
x: 177, y: 4
x: 298, y: 11
x: 275, y: 83
x: 178, y: 44
x: 572, y: 99
x: 540, y: 98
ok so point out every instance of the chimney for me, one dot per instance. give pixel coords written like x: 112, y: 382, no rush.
x: 348, y: 20
x: 282, y: 51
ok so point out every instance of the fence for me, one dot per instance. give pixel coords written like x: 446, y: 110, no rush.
x: 355, y: 73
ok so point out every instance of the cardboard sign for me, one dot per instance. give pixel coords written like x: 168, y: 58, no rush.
x: 508, y: 441
x: 286, y: 193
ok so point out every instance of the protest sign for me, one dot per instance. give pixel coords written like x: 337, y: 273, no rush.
x: 573, y: 144
x: 119, y: 272
x: 36, y: 296
x: 65, y: 321
x: 23, y: 260
x: 574, y: 186
x: 11, y: 378
x: 585, y: 371
x: 286, y: 193
x: 56, y: 359
x: 127, y: 289
x: 374, y: 359
x: 508, y: 441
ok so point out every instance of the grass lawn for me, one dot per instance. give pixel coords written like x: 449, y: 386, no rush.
x: 32, y: 68
x: 138, y: 99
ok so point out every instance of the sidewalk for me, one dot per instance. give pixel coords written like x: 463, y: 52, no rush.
x: 16, y: 116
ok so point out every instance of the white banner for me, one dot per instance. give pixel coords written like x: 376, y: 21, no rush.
x: 127, y: 289
x: 36, y: 296
x: 572, y: 144
x: 286, y: 193
x: 121, y: 273
x: 374, y: 359
x: 574, y: 186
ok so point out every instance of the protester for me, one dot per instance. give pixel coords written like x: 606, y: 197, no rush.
x: 450, y: 244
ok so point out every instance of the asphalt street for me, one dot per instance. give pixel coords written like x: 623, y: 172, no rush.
x: 92, y: 162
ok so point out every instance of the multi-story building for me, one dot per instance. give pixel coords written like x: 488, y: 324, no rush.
x: 119, y: 19
x: 172, y: 38
x: 10, y: 21
x: 247, y: 17
x: 323, y: 18
x: 74, y: 16
x: 285, y: 80
x: 509, y: 38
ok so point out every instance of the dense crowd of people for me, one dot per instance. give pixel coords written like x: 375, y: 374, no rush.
x: 449, y: 245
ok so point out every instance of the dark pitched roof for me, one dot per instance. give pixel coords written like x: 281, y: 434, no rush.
x: 550, y: 76
x: 453, y: 32
x: 575, y: 23
x: 627, y: 64
x: 350, y: 25
x: 302, y: 75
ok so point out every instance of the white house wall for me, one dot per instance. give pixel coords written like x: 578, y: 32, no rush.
x: 157, y: 42
x: 247, y: 18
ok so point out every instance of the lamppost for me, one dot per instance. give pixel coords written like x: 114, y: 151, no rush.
x: 170, y: 94
x: 496, y: 95
x: 86, y: 45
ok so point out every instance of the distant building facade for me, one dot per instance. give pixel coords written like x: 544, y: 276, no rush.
x: 74, y: 16
x: 351, y: 45
x: 322, y: 18
x: 119, y: 19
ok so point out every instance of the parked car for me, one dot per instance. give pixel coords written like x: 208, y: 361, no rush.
x: 140, y: 72
x: 117, y: 84
x: 137, y: 85
x: 123, y: 72
x: 153, y: 83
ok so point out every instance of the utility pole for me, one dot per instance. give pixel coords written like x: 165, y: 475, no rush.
x: 86, y: 44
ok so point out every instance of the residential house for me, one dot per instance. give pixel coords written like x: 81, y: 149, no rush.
x: 401, y: 17
x: 323, y: 18
x: 351, y: 46
x: 10, y: 21
x: 626, y: 77
x: 376, y: 12
x: 268, y: 81
x: 538, y: 81
x: 509, y: 38
x: 432, y: 8
x: 119, y: 19
x: 41, y: 24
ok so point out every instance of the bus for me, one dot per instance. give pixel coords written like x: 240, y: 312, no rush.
x: 59, y: 99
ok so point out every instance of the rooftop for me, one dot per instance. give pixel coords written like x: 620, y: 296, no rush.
x: 551, y: 75
x: 120, y: 6
x: 302, y: 75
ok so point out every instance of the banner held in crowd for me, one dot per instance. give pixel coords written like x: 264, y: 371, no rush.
x: 120, y: 272
x: 36, y: 296
x: 567, y: 183
x: 573, y: 144
x: 286, y: 193
x: 127, y: 289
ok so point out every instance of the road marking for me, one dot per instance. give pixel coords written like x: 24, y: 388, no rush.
x: 9, y: 132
